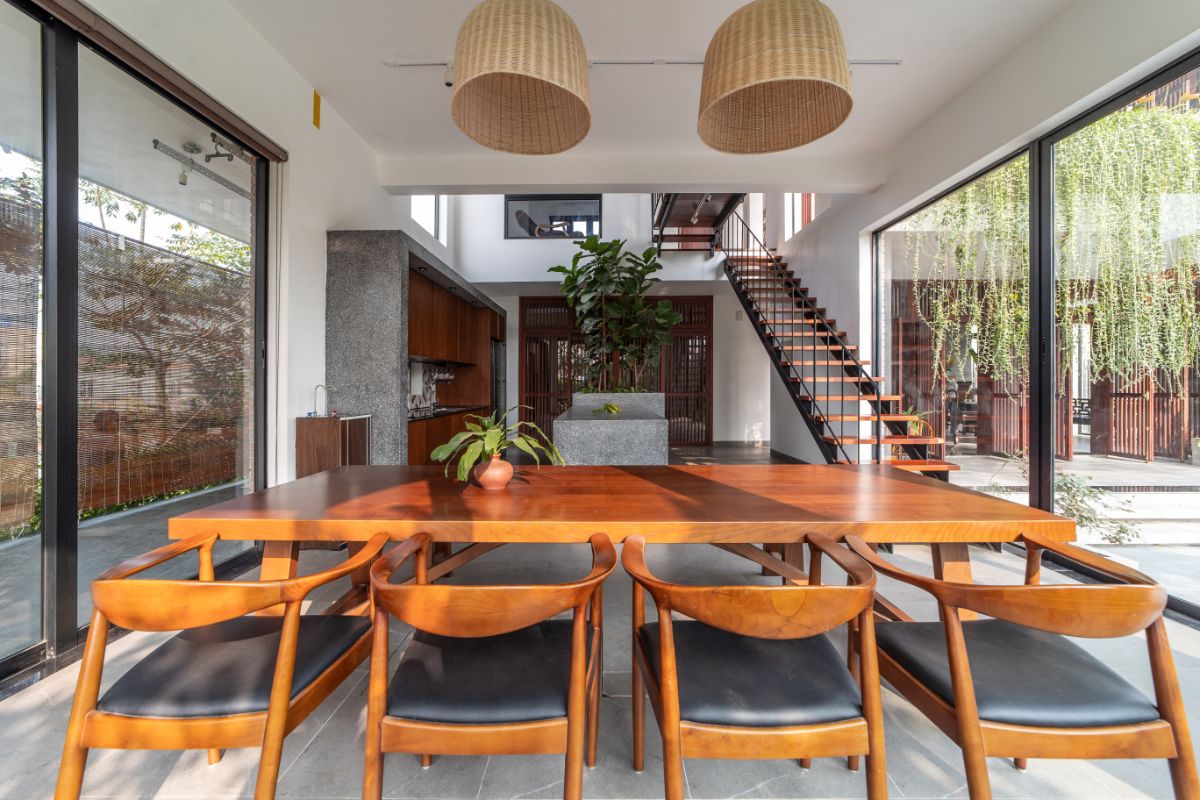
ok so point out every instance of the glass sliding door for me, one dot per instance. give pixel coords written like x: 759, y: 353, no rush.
x: 166, y: 319
x: 954, y: 324
x: 21, y: 271
x: 1127, y: 268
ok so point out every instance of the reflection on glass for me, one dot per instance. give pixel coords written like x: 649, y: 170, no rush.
x: 551, y: 216
x: 954, y: 282
x: 1127, y: 260
x: 20, y: 330
x: 166, y: 307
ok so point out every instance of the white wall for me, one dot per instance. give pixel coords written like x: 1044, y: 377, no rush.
x: 1088, y: 52
x: 741, y: 376
x: 330, y: 182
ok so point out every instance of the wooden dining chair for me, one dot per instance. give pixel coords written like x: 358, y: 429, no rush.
x: 751, y: 673
x: 488, y: 671
x: 230, y: 678
x: 1012, y: 685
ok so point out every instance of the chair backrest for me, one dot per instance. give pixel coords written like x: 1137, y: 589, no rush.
x: 1100, y: 611
x: 170, y: 605
x: 526, y: 222
x: 764, y: 612
x: 475, y: 611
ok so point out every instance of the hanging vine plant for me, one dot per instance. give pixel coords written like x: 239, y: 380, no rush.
x: 970, y: 264
x: 1127, y: 228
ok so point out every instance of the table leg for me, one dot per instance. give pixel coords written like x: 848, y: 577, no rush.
x: 362, y: 575
x: 952, y: 562
x: 793, y: 554
x: 280, y: 560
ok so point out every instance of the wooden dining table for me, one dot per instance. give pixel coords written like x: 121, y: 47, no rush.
x: 736, y: 507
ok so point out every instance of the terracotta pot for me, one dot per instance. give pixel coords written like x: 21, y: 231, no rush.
x: 493, y: 474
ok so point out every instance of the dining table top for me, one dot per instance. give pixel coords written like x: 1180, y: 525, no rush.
x: 702, y: 503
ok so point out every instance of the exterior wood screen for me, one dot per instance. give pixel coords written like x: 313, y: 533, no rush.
x: 553, y: 364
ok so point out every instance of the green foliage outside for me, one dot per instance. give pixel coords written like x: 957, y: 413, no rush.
x: 1127, y: 254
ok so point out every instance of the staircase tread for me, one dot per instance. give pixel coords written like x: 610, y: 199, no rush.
x: 886, y: 398
x: 828, y: 363
x: 866, y: 417
x: 895, y: 439
x: 839, y: 379
x: 915, y: 464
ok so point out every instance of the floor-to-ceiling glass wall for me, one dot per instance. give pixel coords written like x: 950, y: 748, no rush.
x: 161, y: 273
x: 20, y: 330
x: 166, y: 318
x: 954, y: 323
x: 1127, y: 268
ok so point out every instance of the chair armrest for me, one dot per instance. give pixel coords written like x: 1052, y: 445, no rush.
x: 852, y: 564
x: 131, y: 566
x: 1118, y: 572
x: 633, y: 559
x: 298, y: 588
x: 381, y: 572
x: 862, y: 550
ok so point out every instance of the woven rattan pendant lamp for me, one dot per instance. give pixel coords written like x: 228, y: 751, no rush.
x: 775, y: 77
x: 521, y: 78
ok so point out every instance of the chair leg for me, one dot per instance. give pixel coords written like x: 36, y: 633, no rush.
x: 1170, y: 704
x: 87, y: 690
x: 672, y: 764
x: 214, y: 755
x: 278, y: 706
x: 593, y: 721
x: 639, y: 717
x: 376, y: 706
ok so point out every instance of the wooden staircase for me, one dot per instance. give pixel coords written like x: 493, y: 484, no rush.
x: 841, y: 402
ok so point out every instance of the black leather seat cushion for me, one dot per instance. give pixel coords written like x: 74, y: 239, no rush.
x: 728, y: 679
x: 515, y: 677
x: 227, y: 668
x: 1022, y: 676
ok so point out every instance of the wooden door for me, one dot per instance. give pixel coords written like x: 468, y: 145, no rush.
x: 553, y: 363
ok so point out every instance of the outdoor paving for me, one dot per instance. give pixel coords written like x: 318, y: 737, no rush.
x: 103, y: 541
x: 323, y: 756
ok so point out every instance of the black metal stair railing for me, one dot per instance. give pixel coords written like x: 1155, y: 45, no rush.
x: 782, y: 311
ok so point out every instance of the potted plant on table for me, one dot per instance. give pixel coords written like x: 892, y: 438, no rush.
x: 479, y: 449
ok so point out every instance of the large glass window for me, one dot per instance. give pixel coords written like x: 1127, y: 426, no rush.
x: 954, y: 301
x: 551, y: 216
x: 20, y: 330
x: 166, y: 319
x: 1127, y: 267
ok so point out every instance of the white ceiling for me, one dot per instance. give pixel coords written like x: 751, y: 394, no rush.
x: 645, y: 109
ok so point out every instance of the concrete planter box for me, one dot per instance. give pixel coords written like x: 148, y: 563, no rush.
x: 636, y: 436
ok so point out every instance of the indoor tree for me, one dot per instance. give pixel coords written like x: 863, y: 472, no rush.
x: 608, y: 289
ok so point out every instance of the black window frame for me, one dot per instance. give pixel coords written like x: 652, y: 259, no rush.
x: 1040, y: 151
x: 62, y: 637
x: 525, y: 198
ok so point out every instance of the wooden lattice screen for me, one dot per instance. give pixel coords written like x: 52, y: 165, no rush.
x: 553, y: 364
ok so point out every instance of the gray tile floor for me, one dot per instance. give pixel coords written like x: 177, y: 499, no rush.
x: 323, y: 756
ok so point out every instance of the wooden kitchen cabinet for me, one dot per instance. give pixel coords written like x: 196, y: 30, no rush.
x: 326, y: 442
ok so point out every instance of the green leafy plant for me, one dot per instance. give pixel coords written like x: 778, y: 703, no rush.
x: 491, y: 436
x: 607, y: 408
x: 1127, y: 255
x: 608, y: 288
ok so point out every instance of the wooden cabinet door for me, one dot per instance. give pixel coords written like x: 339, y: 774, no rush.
x: 445, y: 324
x: 356, y: 441
x: 420, y: 315
x: 318, y: 445
x: 418, y: 453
